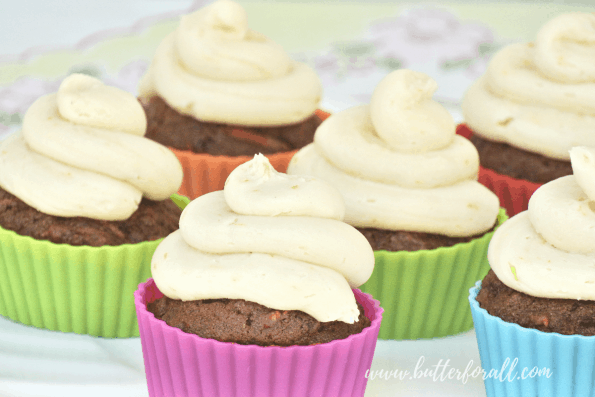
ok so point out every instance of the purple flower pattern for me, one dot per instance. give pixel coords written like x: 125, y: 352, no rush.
x: 430, y: 40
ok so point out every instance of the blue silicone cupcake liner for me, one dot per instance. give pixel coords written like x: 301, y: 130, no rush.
x: 525, y: 362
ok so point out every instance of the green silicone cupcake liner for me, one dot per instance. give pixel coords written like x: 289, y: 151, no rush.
x: 81, y: 289
x: 424, y: 293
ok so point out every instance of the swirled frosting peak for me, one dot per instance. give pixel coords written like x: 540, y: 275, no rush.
x: 540, y: 96
x: 406, y: 117
x: 269, y: 238
x: 399, y: 163
x: 87, y: 101
x: 214, y: 68
x: 220, y: 32
x: 549, y: 250
x: 81, y: 152
x: 565, y: 48
x: 256, y: 188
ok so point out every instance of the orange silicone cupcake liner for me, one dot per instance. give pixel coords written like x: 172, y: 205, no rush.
x: 514, y: 194
x: 204, y: 173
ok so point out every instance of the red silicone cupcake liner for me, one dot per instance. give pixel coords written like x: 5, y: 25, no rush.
x: 180, y: 364
x: 204, y: 173
x: 514, y: 194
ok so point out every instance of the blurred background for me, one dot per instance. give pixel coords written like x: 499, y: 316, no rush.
x: 28, y: 23
x: 351, y: 44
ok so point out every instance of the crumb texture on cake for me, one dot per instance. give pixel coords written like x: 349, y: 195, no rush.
x: 248, y: 323
x: 404, y: 240
x: 170, y: 128
x: 151, y: 221
x: 516, y: 163
x: 564, y: 316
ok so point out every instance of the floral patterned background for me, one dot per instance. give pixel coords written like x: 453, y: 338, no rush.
x: 431, y: 40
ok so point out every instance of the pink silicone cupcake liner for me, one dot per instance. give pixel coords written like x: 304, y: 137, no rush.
x: 204, y: 173
x: 180, y: 364
x: 514, y: 194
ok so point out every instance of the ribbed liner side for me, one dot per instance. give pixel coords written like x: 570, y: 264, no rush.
x: 514, y: 194
x: 204, y: 173
x: 569, y: 358
x: 180, y: 364
x: 80, y: 289
x: 424, y: 293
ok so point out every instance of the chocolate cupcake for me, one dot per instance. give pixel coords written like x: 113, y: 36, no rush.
x: 409, y: 184
x: 248, y: 323
x: 84, y: 201
x: 260, y: 273
x: 538, y: 303
x: 562, y: 316
x: 531, y: 106
x: 151, y: 221
x: 218, y: 93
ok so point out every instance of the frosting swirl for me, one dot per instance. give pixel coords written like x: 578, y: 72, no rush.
x: 216, y: 69
x: 81, y: 152
x: 540, y: 96
x: 269, y: 238
x: 549, y: 250
x: 399, y: 163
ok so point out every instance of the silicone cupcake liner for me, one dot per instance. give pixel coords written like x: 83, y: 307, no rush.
x: 204, y: 173
x: 80, y: 289
x: 180, y: 364
x: 525, y: 362
x: 514, y: 194
x: 424, y: 293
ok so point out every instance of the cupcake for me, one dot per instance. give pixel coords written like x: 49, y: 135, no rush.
x: 536, y: 307
x: 218, y: 93
x: 409, y: 184
x: 531, y: 106
x: 84, y: 203
x: 253, y: 295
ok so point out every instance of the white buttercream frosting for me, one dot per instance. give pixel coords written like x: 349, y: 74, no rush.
x: 540, y: 96
x: 549, y: 250
x: 81, y: 152
x: 399, y: 163
x: 269, y: 238
x: 214, y: 68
